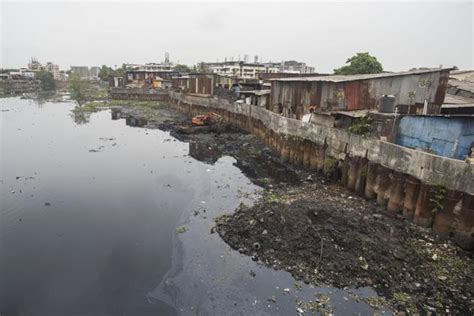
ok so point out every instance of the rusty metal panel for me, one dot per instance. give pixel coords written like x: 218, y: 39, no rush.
x: 408, y: 88
x: 192, y: 85
x: 316, y: 97
x: 324, y: 95
x: 351, y: 95
x: 394, y: 88
x: 433, y: 86
x: 364, y: 97
x: 204, y: 85
x: 441, y: 89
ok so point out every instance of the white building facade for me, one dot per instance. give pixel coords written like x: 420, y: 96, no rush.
x: 240, y: 69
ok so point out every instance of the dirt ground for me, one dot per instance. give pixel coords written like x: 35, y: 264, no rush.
x: 322, y: 233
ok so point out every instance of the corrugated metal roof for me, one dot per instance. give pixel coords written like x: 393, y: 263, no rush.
x: 343, y: 78
x: 256, y: 92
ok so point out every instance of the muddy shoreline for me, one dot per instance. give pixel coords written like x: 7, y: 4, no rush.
x: 322, y: 233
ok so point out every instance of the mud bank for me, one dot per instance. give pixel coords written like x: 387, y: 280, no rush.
x: 208, y: 145
x: 432, y: 191
x: 322, y: 233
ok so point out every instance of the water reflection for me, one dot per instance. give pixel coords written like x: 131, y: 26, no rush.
x: 204, y: 152
x: 130, y: 119
x: 80, y: 115
x: 136, y: 121
x: 94, y: 233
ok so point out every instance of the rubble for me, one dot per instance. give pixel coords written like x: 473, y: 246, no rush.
x: 321, y: 236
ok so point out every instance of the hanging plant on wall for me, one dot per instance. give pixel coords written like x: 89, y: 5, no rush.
x: 361, y: 126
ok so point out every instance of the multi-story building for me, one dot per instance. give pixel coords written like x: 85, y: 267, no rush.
x: 53, y: 69
x: 239, y: 69
x: 27, y: 73
x: 164, y: 66
x: 94, y: 72
x: 35, y: 65
x: 244, y: 69
x: 82, y: 71
x: 293, y: 66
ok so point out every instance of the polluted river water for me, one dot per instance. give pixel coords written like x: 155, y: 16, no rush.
x: 101, y: 218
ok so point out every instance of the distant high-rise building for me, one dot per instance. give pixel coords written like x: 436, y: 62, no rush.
x: 35, y: 65
x: 94, y: 72
x: 53, y: 69
x: 82, y: 71
x: 245, y: 69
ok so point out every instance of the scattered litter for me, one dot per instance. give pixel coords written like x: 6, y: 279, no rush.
x: 181, y: 229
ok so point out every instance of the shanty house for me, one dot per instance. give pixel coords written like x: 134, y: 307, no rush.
x: 294, y: 96
x: 201, y: 83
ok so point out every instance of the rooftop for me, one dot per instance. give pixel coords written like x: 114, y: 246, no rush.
x: 342, y: 78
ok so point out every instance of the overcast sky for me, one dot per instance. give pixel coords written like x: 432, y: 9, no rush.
x: 401, y: 35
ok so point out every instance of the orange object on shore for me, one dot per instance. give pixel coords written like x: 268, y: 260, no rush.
x: 206, y: 119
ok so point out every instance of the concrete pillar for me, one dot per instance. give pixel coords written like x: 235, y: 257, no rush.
x: 412, y: 187
x: 382, y: 185
x: 321, y: 157
x: 396, y: 193
x: 285, y: 150
x: 271, y: 142
x: 352, y: 171
x: 291, y: 150
x: 464, y: 223
x: 444, y: 218
x: 424, y: 210
x: 261, y: 130
x: 298, y: 154
x: 276, y: 142
x: 361, y: 176
x: 344, y: 171
x: 307, y: 151
x: 314, y: 156
x: 370, y: 183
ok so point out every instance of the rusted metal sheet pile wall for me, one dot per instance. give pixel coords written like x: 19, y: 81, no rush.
x: 294, y: 96
x: 139, y: 94
x: 180, y: 83
x: 431, y: 190
x: 201, y: 84
x: 294, y: 99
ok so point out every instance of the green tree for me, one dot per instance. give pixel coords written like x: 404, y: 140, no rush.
x: 76, y: 87
x: 47, y: 80
x: 361, y: 63
x: 104, y: 73
x: 202, y: 68
x: 182, y: 68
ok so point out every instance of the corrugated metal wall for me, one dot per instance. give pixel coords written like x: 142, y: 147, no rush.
x: 445, y: 136
x: 297, y: 96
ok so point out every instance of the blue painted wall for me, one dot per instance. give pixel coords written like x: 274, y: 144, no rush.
x: 437, y: 134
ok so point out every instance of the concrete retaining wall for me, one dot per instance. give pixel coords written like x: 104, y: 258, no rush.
x: 431, y: 190
x: 19, y: 86
x: 139, y: 94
